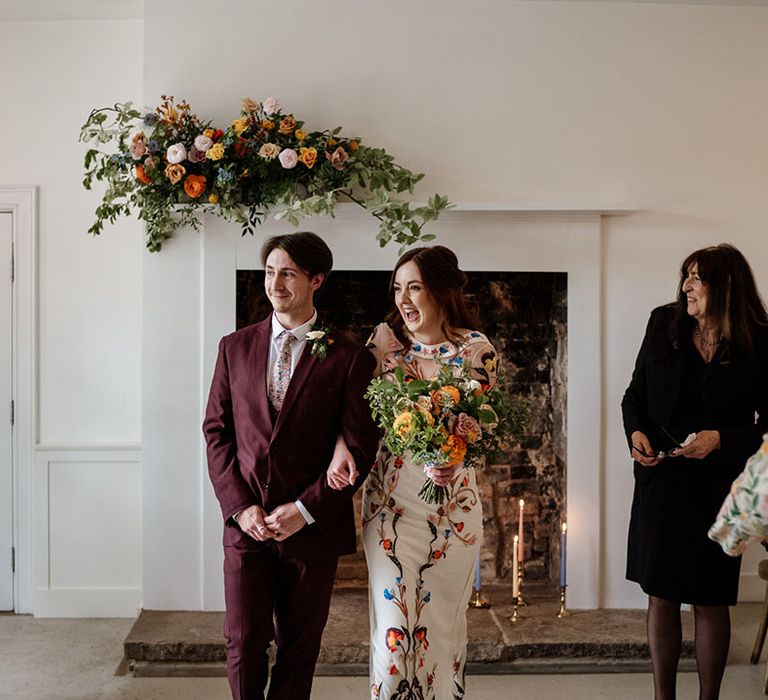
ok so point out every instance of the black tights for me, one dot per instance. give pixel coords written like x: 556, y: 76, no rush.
x: 665, y: 638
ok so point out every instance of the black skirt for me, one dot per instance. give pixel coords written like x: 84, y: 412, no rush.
x: 669, y: 553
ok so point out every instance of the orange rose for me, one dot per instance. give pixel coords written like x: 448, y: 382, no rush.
x: 175, y: 172
x: 287, y: 125
x: 353, y: 146
x: 141, y: 175
x: 308, y: 156
x: 267, y: 124
x: 455, y: 448
x: 446, y: 396
x: 300, y: 135
x: 194, y: 185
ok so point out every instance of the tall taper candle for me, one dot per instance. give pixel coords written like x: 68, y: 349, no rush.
x: 562, y: 555
x: 515, y: 580
x: 521, y: 552
x: 477, y: 574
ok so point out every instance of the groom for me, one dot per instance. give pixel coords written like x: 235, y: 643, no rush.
x: 277, y: 404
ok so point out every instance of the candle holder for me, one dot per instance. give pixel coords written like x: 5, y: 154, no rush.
x: 478, y: 601
x: 563, y: 612
x: 520, y: 600
x: 514, y: 617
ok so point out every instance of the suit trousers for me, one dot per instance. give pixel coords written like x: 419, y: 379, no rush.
x: 269, y: 596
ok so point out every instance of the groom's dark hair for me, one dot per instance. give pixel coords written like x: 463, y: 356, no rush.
x: 306, y: 249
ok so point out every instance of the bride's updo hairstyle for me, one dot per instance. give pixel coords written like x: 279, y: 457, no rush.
x: 445, y: 283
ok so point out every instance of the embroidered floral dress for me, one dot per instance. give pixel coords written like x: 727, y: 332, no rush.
x: 743, y: 517
x: 421, y: 556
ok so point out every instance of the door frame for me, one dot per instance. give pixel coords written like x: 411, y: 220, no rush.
x: 21, y: 202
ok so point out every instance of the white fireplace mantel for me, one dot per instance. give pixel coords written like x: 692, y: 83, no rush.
x: 189, y: 303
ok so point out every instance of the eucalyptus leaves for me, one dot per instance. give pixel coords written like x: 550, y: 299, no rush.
x: 170, y: 166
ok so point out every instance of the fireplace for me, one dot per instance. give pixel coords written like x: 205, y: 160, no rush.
x: 190, y: 302
x: 525, y: 316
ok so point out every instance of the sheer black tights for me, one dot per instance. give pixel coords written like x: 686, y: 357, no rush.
x: 665, y: 638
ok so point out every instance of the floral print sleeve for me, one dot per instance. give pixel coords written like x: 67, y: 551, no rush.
x: 743, y: 516
x: 381, y: 344
x: 484, y: 361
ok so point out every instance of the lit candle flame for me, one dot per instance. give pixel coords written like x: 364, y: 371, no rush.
x: 565, y: 527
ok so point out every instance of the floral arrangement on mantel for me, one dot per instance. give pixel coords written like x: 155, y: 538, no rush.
x: 171, y: 166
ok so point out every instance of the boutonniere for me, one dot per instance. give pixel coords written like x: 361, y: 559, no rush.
x: 319, y: 340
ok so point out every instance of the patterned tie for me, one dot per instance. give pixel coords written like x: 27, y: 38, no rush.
x: 281, y: 372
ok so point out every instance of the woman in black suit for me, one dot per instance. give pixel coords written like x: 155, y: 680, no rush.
x: 689, y: 416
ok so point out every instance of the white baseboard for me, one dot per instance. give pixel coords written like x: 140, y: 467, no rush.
x: 87, y: 602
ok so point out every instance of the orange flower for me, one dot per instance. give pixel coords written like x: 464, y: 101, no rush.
x: 267, y: 124
x: 287, y: 125
x: 446, y: 396
x: 437, y: 553
x: 213, y: 198
x: 392, y: 637
x: 353, y: 146
x: 174, y: 172
x: 455, y: 448
x: 387, y: 544
x: 300, y: 135
x: 308, y: 156
x: 194, y: 185
x: 141, y: 175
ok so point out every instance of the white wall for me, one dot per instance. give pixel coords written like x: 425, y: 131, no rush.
x: 85, y: 472
x: 661, y: 106
x: 658, y: 106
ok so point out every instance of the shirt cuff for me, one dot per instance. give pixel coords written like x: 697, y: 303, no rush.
x: 304, y: 512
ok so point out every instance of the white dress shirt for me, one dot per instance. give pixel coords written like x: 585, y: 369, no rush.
x: 300, y: 333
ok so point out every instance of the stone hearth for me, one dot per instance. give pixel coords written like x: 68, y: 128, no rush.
x: 164, y: 643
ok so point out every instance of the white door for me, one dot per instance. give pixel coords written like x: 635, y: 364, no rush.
x: 6, y: 451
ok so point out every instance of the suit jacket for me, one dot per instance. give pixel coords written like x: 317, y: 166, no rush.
x: 253, y: 461
x: 733, y: 391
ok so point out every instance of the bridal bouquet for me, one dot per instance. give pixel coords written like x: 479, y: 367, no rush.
x: 171, y: 166
x: 450, y: 419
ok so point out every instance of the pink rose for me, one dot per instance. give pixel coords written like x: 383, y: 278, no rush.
x: 195, y: 155
x: 203, y: 142
x: 270, y: 106
x: 176, y: 153
x: 138, y: 149
x: 467, y: 428
x: 288, y: 158
x: 338, y: 158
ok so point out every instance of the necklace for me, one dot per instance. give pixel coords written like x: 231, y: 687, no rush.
x: 708, y: 343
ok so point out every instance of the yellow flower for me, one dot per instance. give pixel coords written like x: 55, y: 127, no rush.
x: 332, y: 141
x: 353, y: 146
x: 215, y: 152
x: 300, y: 135
x: 308, y: 156
x: 213, y: 198
x: 267, y: 124
x: 287, y: 125
x: 403, y: 424
x: 208, y: 133
x: 175, y: 172
x: 240, y: 125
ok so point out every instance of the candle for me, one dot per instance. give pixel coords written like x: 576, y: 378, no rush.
x: 521, y: 552
x: 562, y: 555
x: 515, y: 581
x: 477, y: 574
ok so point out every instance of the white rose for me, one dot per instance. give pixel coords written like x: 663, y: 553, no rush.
x: 315, y: 335
x: 288, y: 158
x: 271, y: 105
x: 473, y: 385
x: 203, y: 143
x: 176, y: 153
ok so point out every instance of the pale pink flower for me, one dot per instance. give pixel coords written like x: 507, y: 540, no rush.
x: 195, y: 155
x: 288, y: 158
x: 269, y: 151
x: 270, y: 106
x: 176, y: 153
x: 338, y: 158
x: 138, y: 149
x: 203, y: 142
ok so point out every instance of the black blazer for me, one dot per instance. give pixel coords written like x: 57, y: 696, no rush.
x: 732, y: 393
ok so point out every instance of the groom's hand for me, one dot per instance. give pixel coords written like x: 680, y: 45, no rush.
x: 284, y: 521
x: 251, y: 522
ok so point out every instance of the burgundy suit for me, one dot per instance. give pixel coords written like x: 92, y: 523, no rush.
x: 255, y: 459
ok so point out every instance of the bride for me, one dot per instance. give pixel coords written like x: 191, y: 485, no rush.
x: 421, y: 555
